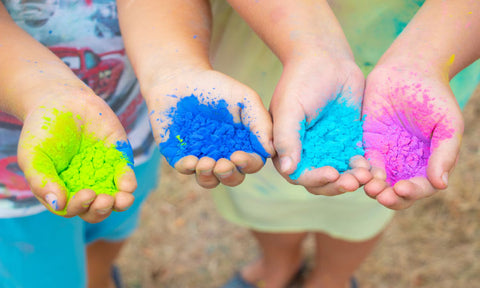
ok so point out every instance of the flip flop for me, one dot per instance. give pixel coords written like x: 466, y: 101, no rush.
x: 237, y: 281
x: 353, y: 283
x: 116, y: 276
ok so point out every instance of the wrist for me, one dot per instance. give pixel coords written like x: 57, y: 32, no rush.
x: 168, y: 68
x: 320, y: 50
x: 407, y: 61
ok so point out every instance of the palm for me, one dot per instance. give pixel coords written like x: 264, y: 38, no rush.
x: 302, y: 93
x: 408, y: 117
x: 51, y: 137
x: 209, y: 87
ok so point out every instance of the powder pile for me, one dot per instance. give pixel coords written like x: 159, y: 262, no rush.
x: 406, y: 155
x: 406, y: 151
x: 94, y: 167
x: 331, y: 139
x: 206, y: 130
x: 80, y: 161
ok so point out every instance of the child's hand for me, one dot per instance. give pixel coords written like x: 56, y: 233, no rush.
x: 305, y: 88
x: 413, y: 130
x: 51, y: 136
x: 210, y: 86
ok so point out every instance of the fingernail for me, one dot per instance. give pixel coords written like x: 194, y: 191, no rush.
x: 52, y: 201
x: 285, y: 163
x: 87, y: 203
x: 242, y: 165
x: 103, y: 211
x: 445, y: 178
x: 225, y: 174
x: 206, y: 172
x: 124, y: 209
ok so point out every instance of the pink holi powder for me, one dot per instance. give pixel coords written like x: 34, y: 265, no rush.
x: 406, y: 155
x: 405, y: 140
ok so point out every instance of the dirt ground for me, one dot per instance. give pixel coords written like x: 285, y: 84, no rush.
x: 183, y: 242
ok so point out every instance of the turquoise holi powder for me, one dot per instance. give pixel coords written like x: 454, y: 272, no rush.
x: 206, y: 130
x: 331, y: 139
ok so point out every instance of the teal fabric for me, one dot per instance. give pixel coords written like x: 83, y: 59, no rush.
x: 57, y: 258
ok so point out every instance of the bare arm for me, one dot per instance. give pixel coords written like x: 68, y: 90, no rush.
x: 162, y: 37
x: 34, y: 82
x: 168, y: 44
x: 443, y: 35
x: 295, y: 28
x: 25, y: 66
x: 409, y: 90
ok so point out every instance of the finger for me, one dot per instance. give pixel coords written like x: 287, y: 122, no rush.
x: 390, y: 199
x: 360, y: 169
x: 247, y: 162
x: 358, y: 161
x: 228, y: 173
x: 125, y: 179
x: 44, y: 181
x: 258, y: 120
x: 204, y: 173
x: 100, y: 209
x: 288, y: 119
x: 345, y: 183
x: 379, y: 173
x: 80, y: 202
x: 318, y: 177
x: 123, y: 201
x: 187, y: 165
x: 414, y: 189
x: 374, y: 187
x: 446, y: 147
x: 362, y: 175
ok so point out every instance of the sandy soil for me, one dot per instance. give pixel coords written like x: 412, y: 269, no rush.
x: 182, y: 241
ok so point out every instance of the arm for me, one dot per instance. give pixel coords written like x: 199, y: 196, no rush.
x: 170, y: 57
x: 33, y: 83
x: 409, y: 89
x: 318, y: 69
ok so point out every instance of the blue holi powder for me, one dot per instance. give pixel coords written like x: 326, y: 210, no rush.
x: 207, y: 131
x: 331, y: 139
x: 126, y: 149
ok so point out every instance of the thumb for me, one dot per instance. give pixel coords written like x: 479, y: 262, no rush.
x: 44, y: 182
x: 288, y: 129
x: 446, y: 144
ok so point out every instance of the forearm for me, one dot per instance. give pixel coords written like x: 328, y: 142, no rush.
x: 163, y: 37
x: 295, y: 28
x: 29, y: 72
x: 445, y: 35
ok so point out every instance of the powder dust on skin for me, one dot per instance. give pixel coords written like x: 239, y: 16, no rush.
x: 404, y: 141
x: 206, y: 130
x: 77, y: 161
x: 331, y: 139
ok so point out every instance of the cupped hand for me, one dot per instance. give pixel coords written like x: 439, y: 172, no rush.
x: 307, y: 86
x: 214, y: 92
x: 412, y: 133
x: 52, y: 135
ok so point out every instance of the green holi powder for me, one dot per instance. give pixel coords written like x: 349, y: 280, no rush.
x: 94, y: 167
x: 77, y: 161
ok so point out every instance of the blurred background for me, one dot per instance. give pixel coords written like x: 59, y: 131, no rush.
x: 183, y: 242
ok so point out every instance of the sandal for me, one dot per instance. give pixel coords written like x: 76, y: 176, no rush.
x: 117, y: 278
x: 237, y: 281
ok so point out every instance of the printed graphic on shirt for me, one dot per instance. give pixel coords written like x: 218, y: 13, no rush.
x: 85, y: 35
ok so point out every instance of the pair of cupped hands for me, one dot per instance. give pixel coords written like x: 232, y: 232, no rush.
x: 307, y: 84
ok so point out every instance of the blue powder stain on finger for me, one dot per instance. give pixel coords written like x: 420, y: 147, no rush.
x: 207, y: 130
x: 126, y: 149
x: 332, y: 138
